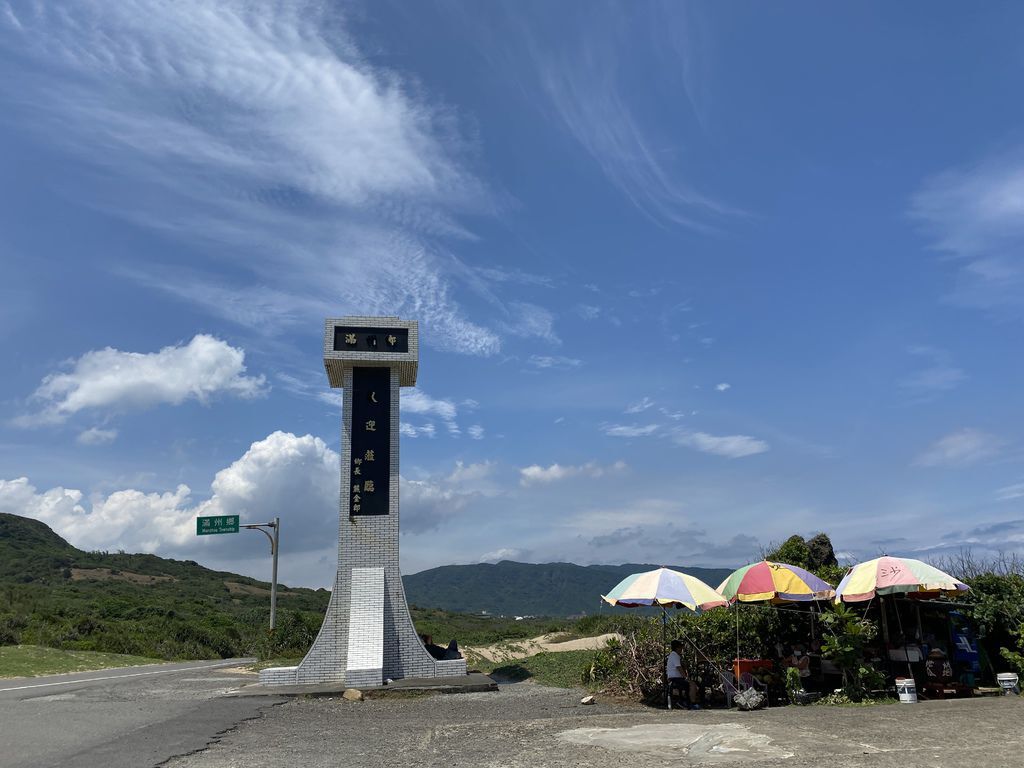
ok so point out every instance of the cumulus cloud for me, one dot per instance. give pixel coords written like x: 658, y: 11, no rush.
x: 730, y: 446
x: 293, y: 477
x: 476, y: 432
x: 97, y: 436
x: 114, y: 380
x: 960, y: 449
x: 282, y: 475
x: 536, y: 474
x: 723, y: 386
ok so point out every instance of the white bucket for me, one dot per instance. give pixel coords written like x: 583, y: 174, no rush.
x: 1008, y: 682
x: 907, y: 689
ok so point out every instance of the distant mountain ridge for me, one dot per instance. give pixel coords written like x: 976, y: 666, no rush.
x: 529, y: 589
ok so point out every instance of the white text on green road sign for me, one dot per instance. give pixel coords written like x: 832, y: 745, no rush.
x: 216, y: 524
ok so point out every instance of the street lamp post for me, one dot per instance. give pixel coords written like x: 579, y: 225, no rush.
x: 275, y: 540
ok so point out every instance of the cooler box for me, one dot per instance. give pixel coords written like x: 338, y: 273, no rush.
x: 740, y: 666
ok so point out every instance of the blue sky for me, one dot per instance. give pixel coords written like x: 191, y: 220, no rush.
x: 690, y: 277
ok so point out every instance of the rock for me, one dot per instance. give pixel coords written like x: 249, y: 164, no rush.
x: 352, y: 694
x: 587, y: 700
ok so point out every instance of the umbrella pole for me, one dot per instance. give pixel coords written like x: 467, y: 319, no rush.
x: 735, y: 666
x: 664, y: 644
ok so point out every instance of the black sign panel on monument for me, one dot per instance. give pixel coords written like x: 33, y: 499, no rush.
x: 370, y: 473
x: 353, y: 339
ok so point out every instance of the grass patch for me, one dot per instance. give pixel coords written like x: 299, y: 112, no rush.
x: 34, y: 660
x: 559, y: 670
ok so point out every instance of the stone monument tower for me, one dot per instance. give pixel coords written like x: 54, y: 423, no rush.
x: 367, y: 635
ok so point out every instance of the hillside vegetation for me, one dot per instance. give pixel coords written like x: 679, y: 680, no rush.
x: 55, y: 595
x: 52, y: 594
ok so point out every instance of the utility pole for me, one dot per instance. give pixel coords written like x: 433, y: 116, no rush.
x: 275, y: 540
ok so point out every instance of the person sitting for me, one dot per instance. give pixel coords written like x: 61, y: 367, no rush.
x: 680, y: 689
x: 436, y: 651
x: 799, y: 661
x: 939, y: 682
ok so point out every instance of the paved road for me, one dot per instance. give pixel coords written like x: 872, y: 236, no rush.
x: 530, y: 726
x: 134, y: 717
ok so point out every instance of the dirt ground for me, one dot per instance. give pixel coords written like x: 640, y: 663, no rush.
x: 530, y: 726
x: 513, y: 650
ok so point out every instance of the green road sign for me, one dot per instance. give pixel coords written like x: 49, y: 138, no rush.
x: 216, y: 524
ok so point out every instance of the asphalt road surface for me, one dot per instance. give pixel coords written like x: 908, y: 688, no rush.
x: 134, y: 717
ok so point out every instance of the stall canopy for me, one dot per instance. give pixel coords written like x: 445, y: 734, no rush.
x: 894, y: 575
x: 664, y: 587
x: 777, y: 582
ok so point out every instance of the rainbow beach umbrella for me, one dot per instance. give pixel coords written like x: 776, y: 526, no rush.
x: 894, y: 575
x: 664, y: 587
x: 778, y: 582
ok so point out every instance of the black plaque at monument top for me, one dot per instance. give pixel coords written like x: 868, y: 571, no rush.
x: 353, y: 339
x: 370, y: 473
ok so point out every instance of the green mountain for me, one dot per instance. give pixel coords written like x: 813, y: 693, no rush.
x: 55, y: 595
x: 524, y: 589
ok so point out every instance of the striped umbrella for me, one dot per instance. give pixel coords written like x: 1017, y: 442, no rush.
x: 664, y: 587
x: 778, y: 582
x: 894, y: 575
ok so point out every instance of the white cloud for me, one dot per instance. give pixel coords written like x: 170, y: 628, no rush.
x: 97, y: 436
x: 939, y: 375
x: 962, y: 448
x: 417, y: 401
x: 505, y: 553
x: 976, y: 213
x: 630, y: 430
x: 1010, y: 492
x: 554, y: 361
x: 294, y: 477
x: 115, y: 380
x: 476, y: 432
x: 536, y: 474
x: 530, y: 320
x: 260, y: 133
x: 723, y: 386
x: 730, y: 446
x: 588, y: 311
x: 585, y: 69
x: 640, y: 406
x: 413, y: 430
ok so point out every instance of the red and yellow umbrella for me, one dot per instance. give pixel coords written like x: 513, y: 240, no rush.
x: 778, y: 582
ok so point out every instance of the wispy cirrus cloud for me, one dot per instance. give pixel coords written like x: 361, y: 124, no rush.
x: 960, y: 449
x: 112, y: 380
x: 975, y: 213
x: 729, y: 446
x: 262, y: 134
x: 938, y: 374
x: 586, y: 74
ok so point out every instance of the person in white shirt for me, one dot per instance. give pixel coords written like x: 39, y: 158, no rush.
x: 680, y: 688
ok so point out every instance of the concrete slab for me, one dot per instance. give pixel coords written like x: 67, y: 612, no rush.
x: 474, y: 682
